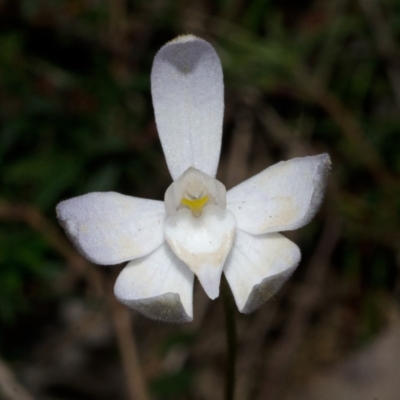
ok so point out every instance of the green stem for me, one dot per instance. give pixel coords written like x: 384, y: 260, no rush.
x: 230, y: 330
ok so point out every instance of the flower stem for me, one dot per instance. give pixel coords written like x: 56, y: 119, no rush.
x: 230, y: 330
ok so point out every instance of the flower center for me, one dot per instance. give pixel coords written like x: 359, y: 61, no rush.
x: 194, y: 190
x: 196, y: 205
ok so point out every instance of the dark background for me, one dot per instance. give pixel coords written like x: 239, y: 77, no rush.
x: 301, y: 78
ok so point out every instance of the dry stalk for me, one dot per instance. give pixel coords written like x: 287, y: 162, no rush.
x: 304, y: 303
x: 120, y: 315
x: 10, y: 388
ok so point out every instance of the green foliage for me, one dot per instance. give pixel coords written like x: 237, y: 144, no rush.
x: 172, y: 385
x: 26, y: 273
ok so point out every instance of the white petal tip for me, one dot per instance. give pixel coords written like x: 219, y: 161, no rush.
x: 183, y: 39
x: 159, y: 286
x: 164, y: 308
x: 210, y: 282
x: 213, y: 296
x: 265, y: 290
x: 326, y: 159
x: 202, y: 243
x: 258, y: 266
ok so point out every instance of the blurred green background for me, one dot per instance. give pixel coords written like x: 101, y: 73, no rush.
x: 301, y: 77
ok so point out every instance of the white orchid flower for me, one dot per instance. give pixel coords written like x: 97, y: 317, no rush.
x: 199, y: 229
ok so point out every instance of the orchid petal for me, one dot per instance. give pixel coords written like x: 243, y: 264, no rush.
x: 160, y: 286
x: 283, y: 197
x: 110, y: 228
x: 202, y: 243
x: 258, y: 266
x: 188, y: 97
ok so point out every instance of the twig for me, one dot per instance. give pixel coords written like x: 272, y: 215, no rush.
x: 385, y: 43
x: 347, y: 123
x: 335, y: 35
x: 237, y: 168
x: 38, y: 222
x: 128, y: 350
x: 316, y: 92
x: 10, y: 388
x: 121, y: 318
x: 118, y: 17
x: 281, y: 133
x: 250, y: 362
x: 304, y: 303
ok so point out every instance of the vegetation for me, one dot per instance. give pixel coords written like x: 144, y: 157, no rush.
x: 301, y: 77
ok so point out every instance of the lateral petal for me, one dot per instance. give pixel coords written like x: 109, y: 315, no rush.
x: 258, y: 266
x: 283, y: 197
x: 160, y: 286
x: 202, y: 243
x: 188, y: 97
x: 110, y: 228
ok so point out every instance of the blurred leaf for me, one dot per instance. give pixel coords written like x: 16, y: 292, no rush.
x: 170, y: 385
x: 103, y: 180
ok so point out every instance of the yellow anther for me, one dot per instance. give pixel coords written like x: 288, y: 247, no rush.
x: 196, y: 205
